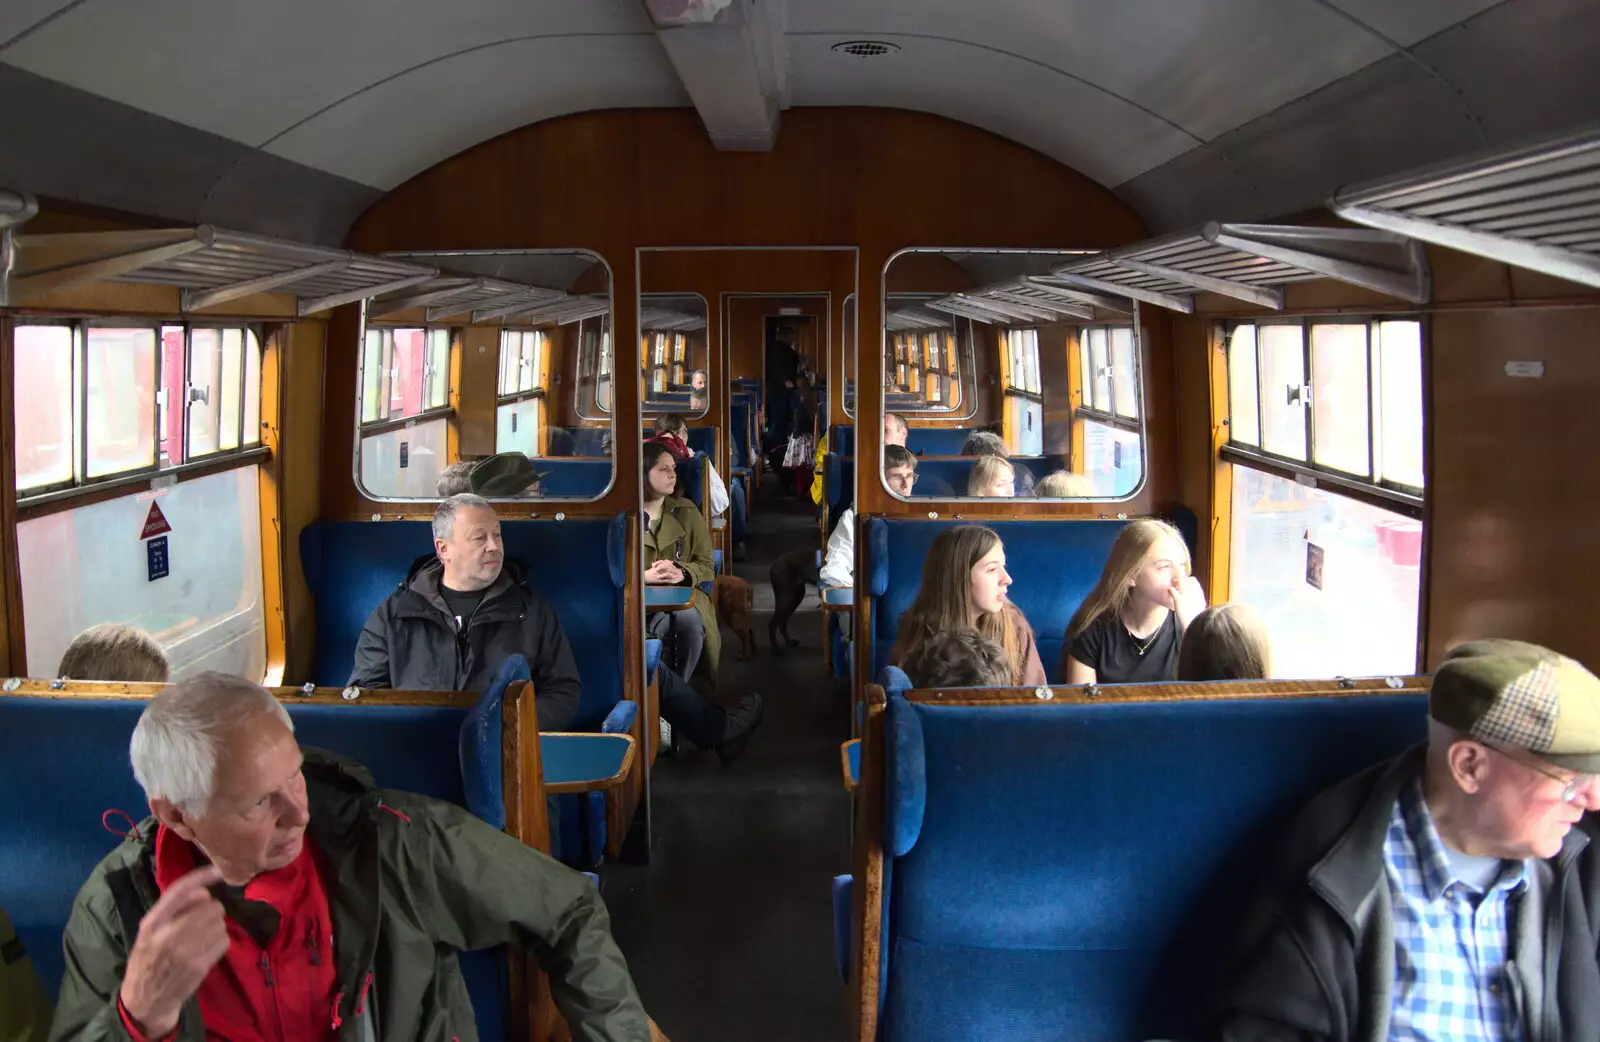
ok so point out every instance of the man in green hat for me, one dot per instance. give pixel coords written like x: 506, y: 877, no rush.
x: 507, y: 475
x: 1448, y: 893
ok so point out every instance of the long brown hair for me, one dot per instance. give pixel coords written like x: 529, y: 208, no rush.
x: 1225, y: 642
x: 1135, y: 547
x: 944, y: 603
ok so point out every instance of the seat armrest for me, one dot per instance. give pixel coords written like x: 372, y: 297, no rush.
x: 838, y: 597
x: 584, y: 762
x: 850, y: 763
x: 668, y: 598
x: 620, y: 719
x: 652, y: 659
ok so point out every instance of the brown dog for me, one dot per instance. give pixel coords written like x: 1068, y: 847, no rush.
x: 734, y: 602
x: 790, y: 575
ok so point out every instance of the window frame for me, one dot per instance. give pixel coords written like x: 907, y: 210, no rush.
x: 540, y: 364
x: 387, y: 423
x: 80, y: 486
x: 1086, y: 410
x: 1368, y: 488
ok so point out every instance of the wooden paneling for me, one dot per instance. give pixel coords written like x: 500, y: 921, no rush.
x: 479, y: 390
x: 300, y: 463
x: 1514, y: 507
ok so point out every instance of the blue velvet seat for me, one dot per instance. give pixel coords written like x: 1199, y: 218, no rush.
x: 574, y: 478
x: 1076, y: 870
x: 67, y: 764
x: 576, y: 565
x: 703, y: 439
x: 937, y: 441
x: 1053, y: 565
x: 587, y: 441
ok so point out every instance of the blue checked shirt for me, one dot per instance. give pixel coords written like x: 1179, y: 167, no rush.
x: 1451, y: 941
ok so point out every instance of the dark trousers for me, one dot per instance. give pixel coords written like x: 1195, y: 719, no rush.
x: 688, y: 712
x: 683, y: 638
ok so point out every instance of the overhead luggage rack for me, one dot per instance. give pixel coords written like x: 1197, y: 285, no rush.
x: 663, y: 320
x: 1535, y: 207
x: 209, y: 265
x: 450, y: 295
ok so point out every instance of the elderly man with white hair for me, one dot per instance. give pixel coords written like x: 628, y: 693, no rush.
x: 279, y: 893
x: 1449, y: 894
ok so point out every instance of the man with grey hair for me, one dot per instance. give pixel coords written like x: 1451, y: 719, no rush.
x: 455, y: 479
x: 279, y: 893
x: 1450, y: 893
x: 988, y: 443
x: 460, y: 613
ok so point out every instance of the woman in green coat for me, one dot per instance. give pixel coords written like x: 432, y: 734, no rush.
x: 677, y: 552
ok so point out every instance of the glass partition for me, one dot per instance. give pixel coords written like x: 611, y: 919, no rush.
x: 1009, y: 380
x: 507, y: 352
x: 673, y: 353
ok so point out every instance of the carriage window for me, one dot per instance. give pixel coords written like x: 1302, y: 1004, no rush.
x: 1340, y: 397
x: 1054, y: 373
x: 106, y: 400
x: 519, y: 416
x: 404, y: 373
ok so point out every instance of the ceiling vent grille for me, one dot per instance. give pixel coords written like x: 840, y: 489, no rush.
x: 866, y: 48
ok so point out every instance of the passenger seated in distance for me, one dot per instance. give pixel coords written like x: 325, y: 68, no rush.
x: 895, y: 432
x: 507, y: 475
x: 839, y: 564
x: 992, y: 477
x: 461, y: 612
x: 672, y: 430
x: 1444, y: 894
x: 1127, y: 630
x: 455, y: 479
x: 967, y: 659
x: 362, y: 896
x: 964, y: 583
x: 677, y: 552
x: 1064, y: 484
x: 113, y: 652
x: 1225, y: 642
x: 699, y: 399
x: 988, y: 443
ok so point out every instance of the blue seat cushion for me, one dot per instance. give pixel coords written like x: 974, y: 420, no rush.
x: 1019, y: 914
x: 1053, y: 565
x: 574, y: 478
x: 937, y: 441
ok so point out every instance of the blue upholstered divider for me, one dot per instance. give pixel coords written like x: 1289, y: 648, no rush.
x: 1053, y: 565
x: 838, y: 482
x: 576, y: 565
x: 1077, y: 870
x: 703, y: 439
x: 66, y: 763
x: 692, y: 480
x: 842, y: 439
x: 937, y: 441
x: 954, y: 472
x: 574, y: 478
x: 588, y: 441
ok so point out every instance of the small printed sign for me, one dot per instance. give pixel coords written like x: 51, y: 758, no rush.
x: 155, y: 522
x: 155, y: 552
x: 405, y: 454
x: 1313, y: 566
x: 1532, y: 370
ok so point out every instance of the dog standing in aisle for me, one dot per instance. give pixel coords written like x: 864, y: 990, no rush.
x: 734, y: 602
x: 790, y: 575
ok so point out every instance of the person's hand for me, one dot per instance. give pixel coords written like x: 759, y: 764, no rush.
x: 179, y: 941
x: 1186, y: 598
x: 663, y: 573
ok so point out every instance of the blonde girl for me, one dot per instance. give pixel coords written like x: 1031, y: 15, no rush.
x: 1128, y: 629
x: 964, y: 584
x: 992, y: 476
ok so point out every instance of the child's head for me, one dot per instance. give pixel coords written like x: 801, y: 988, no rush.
x: 1226, y: 642
x: 961, y: 659
x: 1064, y: 484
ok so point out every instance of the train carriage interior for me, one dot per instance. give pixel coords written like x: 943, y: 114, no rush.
x: 748, y: 318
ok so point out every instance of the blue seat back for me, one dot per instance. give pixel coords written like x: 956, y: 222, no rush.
x: 574, y: 478
x: 576, y: 565
x: 703, y: 439
x: 1053, y: 565
x: 1076, y: 870
x: 67, y: 764
x: 842, y: 439
x: 937, y: 441
x: 838, y: 482
x: 692, y: 480
x: 739, y: 431
x: 587, y: 441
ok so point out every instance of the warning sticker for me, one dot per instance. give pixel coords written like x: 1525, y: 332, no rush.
x: 155, y: 522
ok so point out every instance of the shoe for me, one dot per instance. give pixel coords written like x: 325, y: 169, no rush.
x: 743, y: 720
x: 666, y: 739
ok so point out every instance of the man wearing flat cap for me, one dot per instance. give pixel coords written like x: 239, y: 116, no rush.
x: 505, y: 476
x: 1449, y: 894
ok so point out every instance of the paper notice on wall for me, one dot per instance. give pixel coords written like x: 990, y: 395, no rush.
x: 156, y: 561
x: 1314, y: 558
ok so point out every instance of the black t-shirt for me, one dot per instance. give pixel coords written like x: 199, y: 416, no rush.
x: 1113, y: 653
x: 462, y: 605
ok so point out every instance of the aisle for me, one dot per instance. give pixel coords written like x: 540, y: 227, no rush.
x: 729, y: 931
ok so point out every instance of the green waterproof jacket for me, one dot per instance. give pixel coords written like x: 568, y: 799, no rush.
x: 410, y: 882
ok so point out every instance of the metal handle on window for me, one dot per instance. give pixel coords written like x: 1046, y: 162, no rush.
x: 1298, y: 394
x: 199, y: 394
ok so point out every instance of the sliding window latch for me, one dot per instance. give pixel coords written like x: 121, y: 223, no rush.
x: 199, y: 394
x: 1298, y: 394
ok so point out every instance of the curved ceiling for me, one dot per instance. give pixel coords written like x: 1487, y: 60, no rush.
x: 291, y: 117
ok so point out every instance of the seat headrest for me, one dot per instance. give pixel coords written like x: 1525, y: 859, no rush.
x: 905, y: 778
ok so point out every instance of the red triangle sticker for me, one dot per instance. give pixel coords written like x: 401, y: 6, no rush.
x: 155, y: 523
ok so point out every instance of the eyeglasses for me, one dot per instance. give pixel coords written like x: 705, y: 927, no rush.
x: 1571, y: 786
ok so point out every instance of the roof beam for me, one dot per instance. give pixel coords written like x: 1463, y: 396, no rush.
x: 1267, y: 298
x: 350, y: 296
x: 1148, y: 296
x: 195, y: 300
x: 1103, y: 301
x: 733, y: 62
x: 1411, y: 282
x: 452, y: 288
